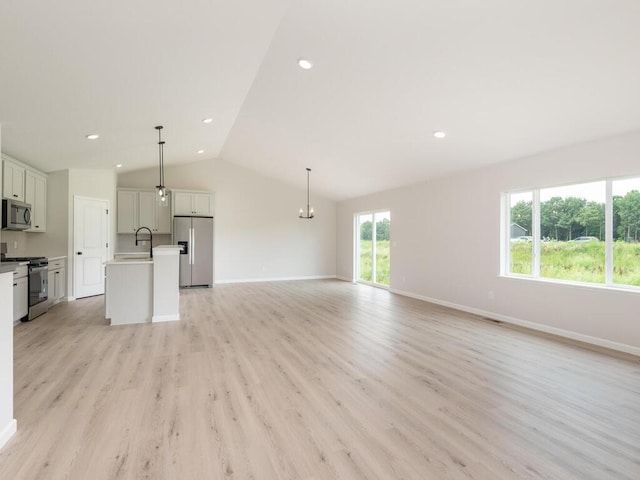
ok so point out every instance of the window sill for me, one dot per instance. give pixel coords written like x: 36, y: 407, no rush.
x: 568, y: 283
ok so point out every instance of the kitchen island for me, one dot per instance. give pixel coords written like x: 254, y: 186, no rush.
x: 140, y: 289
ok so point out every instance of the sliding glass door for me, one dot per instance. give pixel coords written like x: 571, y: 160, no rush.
x: 373, y: 247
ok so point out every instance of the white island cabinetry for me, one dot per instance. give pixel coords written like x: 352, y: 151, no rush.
x: 129, y: 291
x: 141, y: 289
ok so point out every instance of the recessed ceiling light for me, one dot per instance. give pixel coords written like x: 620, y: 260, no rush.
x: 200, y: 152
x: 305, y: 64
x: 93, y: 136
x: 119, y: 165
x: 439, y: 134
x: 207, y: 120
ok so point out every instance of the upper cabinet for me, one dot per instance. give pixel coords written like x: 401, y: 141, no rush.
x: 192, y: 203
x: 127, y: 220
x: 35, y: 194
x: 13, y: 180
x: 26, y: 184
x: 151, y: 212
x: 140, y: 208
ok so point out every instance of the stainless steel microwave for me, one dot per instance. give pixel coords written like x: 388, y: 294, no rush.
x: 15, y: 215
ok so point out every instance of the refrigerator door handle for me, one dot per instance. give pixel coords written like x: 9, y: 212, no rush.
x: 192, y: 233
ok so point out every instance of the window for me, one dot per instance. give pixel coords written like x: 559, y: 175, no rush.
x: 568, y: 216
x: 587, y: 233
x: 626, y: 231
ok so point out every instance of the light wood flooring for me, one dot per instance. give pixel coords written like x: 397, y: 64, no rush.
x: 314, y: 380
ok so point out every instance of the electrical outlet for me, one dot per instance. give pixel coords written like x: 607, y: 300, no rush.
x: 491, y: 295
x: 15, y: 244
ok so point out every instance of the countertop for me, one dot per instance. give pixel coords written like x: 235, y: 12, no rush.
x: 6, y: 267
x: 56, y: 258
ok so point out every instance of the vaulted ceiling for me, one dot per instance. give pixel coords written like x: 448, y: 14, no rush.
x: 503, y: 79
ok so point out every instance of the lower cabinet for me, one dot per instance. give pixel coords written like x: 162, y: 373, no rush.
x: 57, y: 282
x: 20, y: 298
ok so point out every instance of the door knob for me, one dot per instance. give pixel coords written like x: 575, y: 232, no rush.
x: 79, y: 253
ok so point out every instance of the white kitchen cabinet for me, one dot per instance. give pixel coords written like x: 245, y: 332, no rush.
x: 13, y: 180
x: 8, y: 422
x: 20, y: 293
x: 182, y: 203
x: 56, y: 277
x: 194, y: 203
x: 25, y: 184
x: 139, y: 208
x: 61, y: 284
x: 153, y: 215
x: 127, y: 220
x: 147, y: 209
x: 35, y: 194
x: 129, y: 291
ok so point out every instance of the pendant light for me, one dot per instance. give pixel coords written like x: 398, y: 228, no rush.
x: 310, y: 213
x: 160, y: 188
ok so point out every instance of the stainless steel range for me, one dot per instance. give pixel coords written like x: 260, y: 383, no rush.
x: 38, y: 283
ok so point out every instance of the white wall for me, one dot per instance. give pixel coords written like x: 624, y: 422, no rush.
x: 257, y: 232
x: 446, y: 244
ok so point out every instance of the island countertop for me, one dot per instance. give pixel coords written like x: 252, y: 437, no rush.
x: 129, y: 261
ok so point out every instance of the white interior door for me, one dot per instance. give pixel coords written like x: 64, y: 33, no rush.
x: 91, y: 245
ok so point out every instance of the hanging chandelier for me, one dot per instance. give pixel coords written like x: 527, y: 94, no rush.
x: 160, y: 188
x: 310, y: 213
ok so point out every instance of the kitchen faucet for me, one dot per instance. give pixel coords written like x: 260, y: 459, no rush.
x: 150, y: 239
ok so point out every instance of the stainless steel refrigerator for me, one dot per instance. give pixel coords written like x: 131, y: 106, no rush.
x: 195, y: 234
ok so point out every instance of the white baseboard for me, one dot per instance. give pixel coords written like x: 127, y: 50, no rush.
x: 276, y: 279
x: 7, y: 432
x: 71, y: 299
x: 344, y: 279
x: 165, y: 318
x: 600, y: 342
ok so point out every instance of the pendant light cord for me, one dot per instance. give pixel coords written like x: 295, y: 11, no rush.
x: 308, y: 170
x: 161, y: 158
